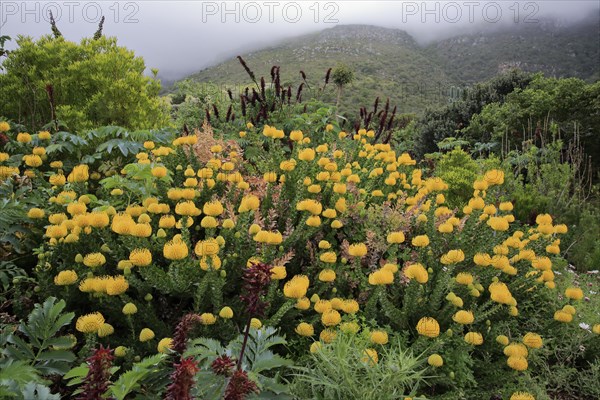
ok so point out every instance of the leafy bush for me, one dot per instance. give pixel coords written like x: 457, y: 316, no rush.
x: 80, y: 86
x: 348, y: 368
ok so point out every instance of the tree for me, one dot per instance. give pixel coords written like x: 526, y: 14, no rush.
x: 342, y: 75
x: 80, y: 86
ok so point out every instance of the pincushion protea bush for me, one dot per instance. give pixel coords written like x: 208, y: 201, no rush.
x: 358, y: 238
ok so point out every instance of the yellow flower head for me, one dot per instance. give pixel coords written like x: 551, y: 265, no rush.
x: 533, y: 340
x: 140, y: 257
x: 420, y: 241
x: 429, y: 327
x: 379, y: 337
x: 521, y: 396
x: 226, y: 313
x: 106, y: 330
x: 129, y: 309
x: 474, y: 338
x: 175, y: 250
x: 296, y: 287
x: 417, y: 272
x: 517, y: 363
x: 164, y: 345
x: 464, y: 317
x: 516, y: 349
x: 357, y: 250
x: 574, y: 293
x: 94, y: 260
x: 79, y: 174
x: 89, y: 323
x: 305, y: 329
x: 67, y: 277
x: 381, y: 277
x: 146, y: 334
x: 435, y: 360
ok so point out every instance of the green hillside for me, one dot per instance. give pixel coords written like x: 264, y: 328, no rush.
x: 390, y: 63
x: 386, y: 63
x: 558, y: 51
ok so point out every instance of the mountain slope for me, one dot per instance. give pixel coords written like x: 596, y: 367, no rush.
x: 390, y: 63
x: 386, y: 62
x: 548, y: 47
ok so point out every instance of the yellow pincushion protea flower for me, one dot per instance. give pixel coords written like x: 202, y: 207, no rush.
x: 146, y: 334
x: 517, y: 363
x: 574, y: 293
x: 129, y: 309
x: 64, y: 278
x: 36, y: 213
x: 175, y: 250
x: 255, y: 323
x: 357, y: 250
x: 381, y: 277
x: 533, y: 340
x: 79, y: 174
x: 23, y: 137
x: 331, y: 318
x: 417, y: 272
x: 452, y: 257
x: 463, y: 317
x: 106, y: 330
x: 521, y: 396
x: 327, y: 275
x: 429, y: 327
x: 474, y: 338
x: 164, y: 345
x: 213, y: 208
x: 121, y: 351
x: 370, y: 357
x: 93, y: 260
x: 208, y: 319
x: 278, y: 272
x: 395, y: 237
x: 379, y: 337
x: 563, y: 316
x: 350, y: 306
x: 305, y: 329
x: 435, y: 360
x: 116, y: 285
x: 4, y: 126
x: 516, y: 350
x: 420, y: 241
x: 89, y: 323
x: 140, y: 257
x: 296, y: 287
x: 226, y: 313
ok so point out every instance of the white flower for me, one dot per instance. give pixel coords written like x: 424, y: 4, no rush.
x: 585, y: 326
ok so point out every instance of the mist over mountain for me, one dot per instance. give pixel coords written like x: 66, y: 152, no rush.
x: 391, y: 63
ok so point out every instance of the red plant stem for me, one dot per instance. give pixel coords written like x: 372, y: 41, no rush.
x: 246, y: 333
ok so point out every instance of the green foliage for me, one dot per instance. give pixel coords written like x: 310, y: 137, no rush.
x: 37, y: 342
x: 435, y: 125
x: 459, y: 171
x: 143, y: 373
x: 92, y: 83
x: 547, y: 109
x: 260, y: 362
x: 343, y: 370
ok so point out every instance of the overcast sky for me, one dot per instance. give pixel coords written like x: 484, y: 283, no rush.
x: 180, y: 37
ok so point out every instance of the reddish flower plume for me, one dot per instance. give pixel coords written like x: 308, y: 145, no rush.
x: 181, y: 331
x: 182, y: 380
x: 256, y: 280
x: 223, y: 365
x: 240, y: 386
x: 97, y: 380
